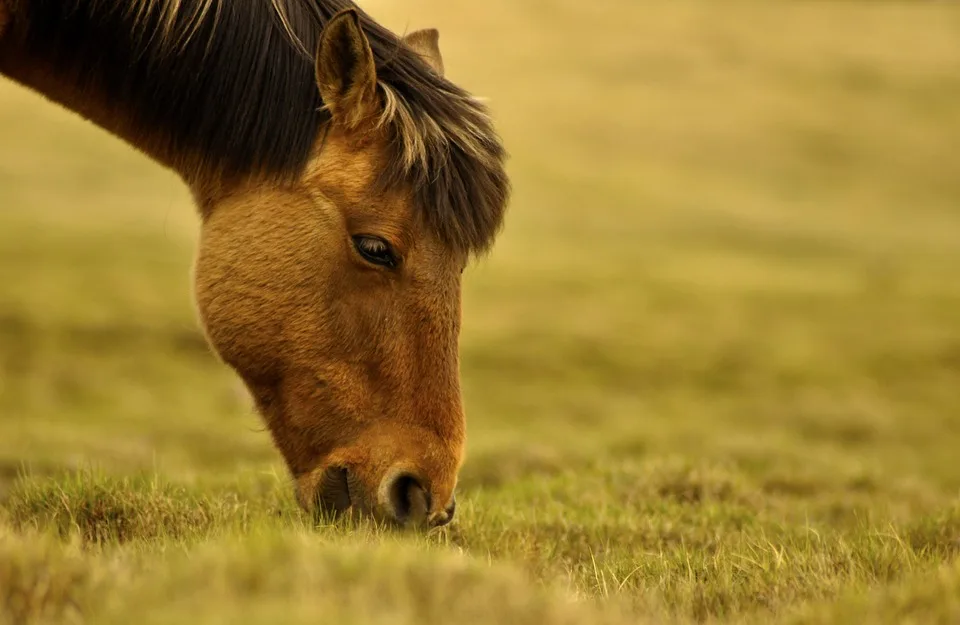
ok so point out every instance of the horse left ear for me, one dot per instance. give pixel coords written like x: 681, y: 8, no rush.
x: 346, y: 72
x: 426, y: 43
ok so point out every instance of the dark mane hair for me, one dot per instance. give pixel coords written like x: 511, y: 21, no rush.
x: 231, y: 85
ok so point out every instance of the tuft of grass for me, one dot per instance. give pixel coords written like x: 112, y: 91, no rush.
x: 932, y: 598
x: 252, y: 580
x: 43, y: 580
x: 101, y: 509
x: 657, y: 540
x: 701, y: 541
x: 251, y: 576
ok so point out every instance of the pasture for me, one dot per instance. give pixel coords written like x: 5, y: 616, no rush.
x: 711, y: 369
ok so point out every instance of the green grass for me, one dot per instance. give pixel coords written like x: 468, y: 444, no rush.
x: 711, y: 369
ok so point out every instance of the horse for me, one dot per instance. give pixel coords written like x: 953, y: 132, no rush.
x: 342, y: 184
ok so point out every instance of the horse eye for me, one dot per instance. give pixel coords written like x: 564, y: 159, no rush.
x: 375, y: 250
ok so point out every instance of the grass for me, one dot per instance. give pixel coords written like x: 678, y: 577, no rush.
x: 711, y: 368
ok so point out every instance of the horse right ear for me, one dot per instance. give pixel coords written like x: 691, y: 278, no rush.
x: 426, y: 43
x: 346, y: 72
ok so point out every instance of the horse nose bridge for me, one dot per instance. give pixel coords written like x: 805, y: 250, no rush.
x: 434, y: 318
x: 434, y: 399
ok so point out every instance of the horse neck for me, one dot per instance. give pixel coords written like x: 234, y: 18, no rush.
x: 56, y: 83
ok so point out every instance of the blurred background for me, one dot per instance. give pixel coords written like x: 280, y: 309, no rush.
x: 734, y: 237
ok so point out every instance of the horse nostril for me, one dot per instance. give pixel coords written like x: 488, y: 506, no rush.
x: 333, y: 495
x: 406, y: 500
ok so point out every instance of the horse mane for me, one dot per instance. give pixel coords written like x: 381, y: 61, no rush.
x: 229, y: 87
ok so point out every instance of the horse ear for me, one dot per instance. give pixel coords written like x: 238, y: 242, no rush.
x: 346, y: 72
x: 426, y: 43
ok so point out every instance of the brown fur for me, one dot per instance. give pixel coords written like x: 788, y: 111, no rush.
x: 353, y: 366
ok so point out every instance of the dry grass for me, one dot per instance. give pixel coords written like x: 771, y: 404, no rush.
x: 711, y: 368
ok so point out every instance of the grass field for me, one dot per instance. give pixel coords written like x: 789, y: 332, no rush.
x: 712, y: 369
